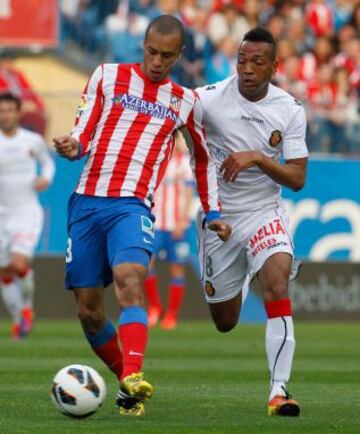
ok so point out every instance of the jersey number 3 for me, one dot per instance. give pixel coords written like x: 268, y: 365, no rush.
x: 69, y: 257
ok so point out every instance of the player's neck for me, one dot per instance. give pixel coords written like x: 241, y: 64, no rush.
x: 257, y: 97
x: 11, y: 132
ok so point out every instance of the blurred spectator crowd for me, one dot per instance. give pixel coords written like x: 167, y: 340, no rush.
x: 32, y: 106
x: 318, y: 45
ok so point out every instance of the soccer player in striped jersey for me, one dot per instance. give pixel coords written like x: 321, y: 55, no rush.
x: 258, y: 124
x: 126, y: 125
x: 173, y: 201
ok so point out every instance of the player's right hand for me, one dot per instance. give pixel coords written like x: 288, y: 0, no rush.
x: 66, y: 146
x: 222, y: 229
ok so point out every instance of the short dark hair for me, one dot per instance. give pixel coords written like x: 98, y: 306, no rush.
x: 167, y: 24
x: 10, y: 97
x: 259, y: 34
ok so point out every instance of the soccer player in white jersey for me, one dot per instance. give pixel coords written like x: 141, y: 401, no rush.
x: 250, y: 125
x: 21, y: 215
x: 127, y: 121
x: 173, y: 202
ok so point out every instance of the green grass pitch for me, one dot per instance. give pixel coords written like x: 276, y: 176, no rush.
x: 205, y: 382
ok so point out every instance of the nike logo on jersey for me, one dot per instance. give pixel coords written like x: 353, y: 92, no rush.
x: 134, y: 353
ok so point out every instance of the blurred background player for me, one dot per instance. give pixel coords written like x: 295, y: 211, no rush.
x: 128, y: 119
x: 21, y: 215
x: 173, y: 200
x: 14, y: 81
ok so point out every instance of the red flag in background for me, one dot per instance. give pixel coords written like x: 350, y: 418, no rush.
x: 29, y: 22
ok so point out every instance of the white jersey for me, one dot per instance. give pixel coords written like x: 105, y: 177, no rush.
x: 19, y: 155
x: 275, y: 125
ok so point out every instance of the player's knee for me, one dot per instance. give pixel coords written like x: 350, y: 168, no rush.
x: 129, y: 285
x: 277, y: 291
x: 19, y: 266
x: 225, y: 325
x: 128, y: 280
x: 91, y: 318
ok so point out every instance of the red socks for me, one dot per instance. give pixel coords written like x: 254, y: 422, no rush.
x: 7, y: 280
x: 133, y: 333
x: 176, y: 296
x: 105, y: 344
x: 152, y: 292
x: 276, y: 309
x: 111, y: 355
x: 133, y: 338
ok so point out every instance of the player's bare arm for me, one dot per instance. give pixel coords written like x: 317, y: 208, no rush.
x: 290, y: 174
x: 41, y: 183
x: 67, y: 147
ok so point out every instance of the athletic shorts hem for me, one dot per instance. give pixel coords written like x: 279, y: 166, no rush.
x: 88, y: 285
x: 253, y: 273
x: 212, y: 300
x: 132, y: 255
x: 22, y: 251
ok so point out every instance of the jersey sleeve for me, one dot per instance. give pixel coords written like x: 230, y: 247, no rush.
x: 89, y: 111
x: 202, y: 164
x: 294, y: 145
x: 47, y: 166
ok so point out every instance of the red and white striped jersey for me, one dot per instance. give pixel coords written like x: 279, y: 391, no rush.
x: 170, y: 200
x: 126, y: 124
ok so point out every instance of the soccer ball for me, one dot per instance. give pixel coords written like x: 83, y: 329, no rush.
x: 78, y: 391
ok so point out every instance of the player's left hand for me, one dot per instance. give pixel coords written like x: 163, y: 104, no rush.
x: 222, y: 229
x: 41, y: 183
x: 66, y: 146
x: 238, y: 162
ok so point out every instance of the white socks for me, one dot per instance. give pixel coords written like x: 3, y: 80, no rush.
x: 27, y: 286
x: 18, y: 294
x: 12, y: 297
x: 280, y: 346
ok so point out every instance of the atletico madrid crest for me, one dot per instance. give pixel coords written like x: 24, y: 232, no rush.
x: 175, y: 104
x: 275, y: 138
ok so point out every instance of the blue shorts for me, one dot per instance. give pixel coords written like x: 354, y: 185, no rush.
x: 104, y: 232
x: 170, y: 249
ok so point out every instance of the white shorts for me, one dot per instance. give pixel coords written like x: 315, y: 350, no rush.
x: 20, y: 231
x: 227, y: 267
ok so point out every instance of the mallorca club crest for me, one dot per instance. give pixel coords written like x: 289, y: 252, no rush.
x: 175, y: 104
x: 209, y: 288
x: 275, y: 138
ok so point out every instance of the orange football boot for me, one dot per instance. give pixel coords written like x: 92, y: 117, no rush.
x: 281, y: 405
x: 16, y: 333
x: 169, y: 322
x: 153, y: 314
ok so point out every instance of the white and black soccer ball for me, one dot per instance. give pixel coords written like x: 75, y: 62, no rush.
x: 78, y: 391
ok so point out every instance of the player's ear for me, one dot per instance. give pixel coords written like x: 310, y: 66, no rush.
x: 274, y: 66
x: 181, y: 52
